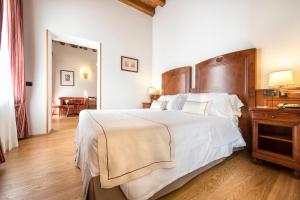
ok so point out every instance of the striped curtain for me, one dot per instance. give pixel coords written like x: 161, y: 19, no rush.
x: 15, y: 44
x: 2, y: 159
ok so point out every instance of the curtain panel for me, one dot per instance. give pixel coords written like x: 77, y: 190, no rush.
x: 2, y: 159
x: 15, y: 44
x: 8, y: 128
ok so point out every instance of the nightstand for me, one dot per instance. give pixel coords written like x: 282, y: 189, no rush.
x: 146, y: 105
x: 276, y: 136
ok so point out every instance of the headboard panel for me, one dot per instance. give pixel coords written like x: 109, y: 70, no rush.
x: 177, y: 80
x: 233, y: 73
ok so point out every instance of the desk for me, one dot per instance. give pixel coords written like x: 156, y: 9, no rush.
x: 72, y: 104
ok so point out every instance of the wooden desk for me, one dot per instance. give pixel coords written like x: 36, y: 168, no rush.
x: 72, y: 104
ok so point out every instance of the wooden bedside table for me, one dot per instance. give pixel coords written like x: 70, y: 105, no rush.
x: 276, y: 136
x: 146, y: 105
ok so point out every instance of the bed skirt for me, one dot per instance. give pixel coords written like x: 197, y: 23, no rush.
x: 95, y: 192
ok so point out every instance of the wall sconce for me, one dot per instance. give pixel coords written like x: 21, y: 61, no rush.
x: 85, y: 72
x: 281, y: 79
x: 154, y: 93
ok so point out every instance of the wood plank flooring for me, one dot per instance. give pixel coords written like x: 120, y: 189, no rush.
x: 43, y: 168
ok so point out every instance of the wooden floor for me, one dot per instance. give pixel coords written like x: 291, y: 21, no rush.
x: 43, y: 168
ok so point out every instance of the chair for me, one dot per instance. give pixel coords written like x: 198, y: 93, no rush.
x: 64, y: 108
x: 69, y: 106
x: 56, y: 107
x: 80, y: 104
x: 72, y: 105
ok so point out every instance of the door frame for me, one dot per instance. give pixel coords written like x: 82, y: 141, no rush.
x: 50, y: 36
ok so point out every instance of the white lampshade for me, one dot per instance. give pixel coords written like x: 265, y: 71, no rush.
x: 153, y: 91
x: 281, y: 78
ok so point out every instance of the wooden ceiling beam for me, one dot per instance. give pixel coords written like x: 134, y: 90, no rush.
x: 140, y: 6
x: 161, y: 3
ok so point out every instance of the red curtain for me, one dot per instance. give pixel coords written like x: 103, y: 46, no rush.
x: 15, y: 44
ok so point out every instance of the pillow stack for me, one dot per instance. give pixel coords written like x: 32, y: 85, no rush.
x: 213, y: 104
x: 175, y: 102
x: 201, y: 108
x: 159, y: 105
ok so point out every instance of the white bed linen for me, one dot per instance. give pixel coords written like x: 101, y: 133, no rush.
x: 198, y: 141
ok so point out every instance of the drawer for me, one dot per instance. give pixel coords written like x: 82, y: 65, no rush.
x: 286, y: 117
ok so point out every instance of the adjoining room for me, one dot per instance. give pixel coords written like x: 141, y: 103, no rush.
x: 74, y: 79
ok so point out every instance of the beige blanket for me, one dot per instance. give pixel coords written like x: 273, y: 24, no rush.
x: 130, y: 147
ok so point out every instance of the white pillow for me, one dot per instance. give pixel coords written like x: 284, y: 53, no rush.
x: 236, y: 105
x: 159, y: 105
x: 195, y: 107
x: 220, y: 103
x: 175, y: 102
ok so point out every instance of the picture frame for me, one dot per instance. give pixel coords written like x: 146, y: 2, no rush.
x: 129, y: 64
x: 67, y: 78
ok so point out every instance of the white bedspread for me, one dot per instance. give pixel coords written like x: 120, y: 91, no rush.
x: 198, y: 141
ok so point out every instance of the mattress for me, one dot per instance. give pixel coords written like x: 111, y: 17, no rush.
x: 198, y: 141
x: 95, y: 192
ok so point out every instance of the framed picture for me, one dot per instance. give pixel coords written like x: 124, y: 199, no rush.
x: 66, y: 78
x: 129, y: 64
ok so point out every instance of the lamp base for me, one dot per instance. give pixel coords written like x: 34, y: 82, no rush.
x: 154, y: 97
x: 283, y: 93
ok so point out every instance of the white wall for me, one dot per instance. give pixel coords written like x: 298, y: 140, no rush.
x: 191, y: 31
x: 68, y: 58
x: 121, y: 30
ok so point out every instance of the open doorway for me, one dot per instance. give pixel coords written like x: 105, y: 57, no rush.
x: 74, y: 78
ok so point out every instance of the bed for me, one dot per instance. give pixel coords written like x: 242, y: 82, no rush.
x: 199, y: 142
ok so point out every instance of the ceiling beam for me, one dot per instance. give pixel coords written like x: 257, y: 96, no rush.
x: 140, y: 6
x: 161, y: 3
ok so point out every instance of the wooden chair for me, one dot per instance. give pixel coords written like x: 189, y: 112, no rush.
x: 56, y: 107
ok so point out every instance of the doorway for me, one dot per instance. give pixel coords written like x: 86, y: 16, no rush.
x: 73, y: 77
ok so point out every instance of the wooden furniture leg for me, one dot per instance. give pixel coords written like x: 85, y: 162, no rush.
x: 68, y: 111
x: 297, y: 174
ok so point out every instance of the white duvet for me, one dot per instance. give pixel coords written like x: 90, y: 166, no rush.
x: 198, y: 141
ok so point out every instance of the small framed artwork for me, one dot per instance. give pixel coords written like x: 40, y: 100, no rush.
x: 129, y: 64
x: 66, y: 78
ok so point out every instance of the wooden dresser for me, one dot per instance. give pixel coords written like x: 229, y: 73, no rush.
x: 276, y: 132
x: 276, y: 136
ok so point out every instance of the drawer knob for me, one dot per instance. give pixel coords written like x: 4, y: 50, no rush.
x: 273, y: 116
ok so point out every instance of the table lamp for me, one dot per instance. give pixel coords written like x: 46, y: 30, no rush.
x: 154, y: 93
x: 281, y: 79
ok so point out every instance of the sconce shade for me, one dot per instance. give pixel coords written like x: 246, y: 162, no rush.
x: 281, y: 78
x: 85, y: 72
x: 85, y: 75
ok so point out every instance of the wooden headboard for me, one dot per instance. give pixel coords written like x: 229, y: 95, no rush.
x: 233, y: 73
x: 177, y: 80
